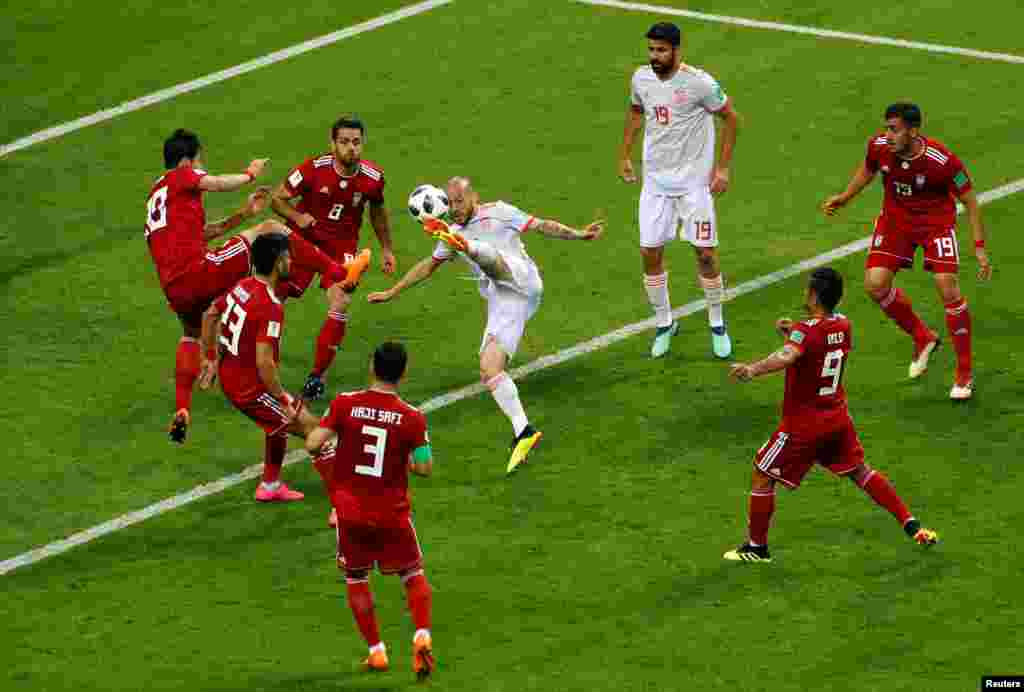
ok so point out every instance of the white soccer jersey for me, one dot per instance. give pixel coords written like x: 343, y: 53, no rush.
x: 679, y: 138
x: 500, y: 225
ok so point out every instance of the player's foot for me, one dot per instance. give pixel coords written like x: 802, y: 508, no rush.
x: 355, y: 270
x: 921, y: 535
x: 277, y: 492
x: 663, y: 339
x: 422, y: 656
x: 963, y: 388
x: 749, y: 553
x: 179, y: 426
x: 332, y: 518
x: 377, y: 661
x: 521, y: 446
x: 439, y: 230
x: 721, y: 344
x: 919, y: 364
x: 314, y: 387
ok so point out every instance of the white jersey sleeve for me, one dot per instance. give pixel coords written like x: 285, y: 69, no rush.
x: 634, y: 91
x: 514, y: 216
x: 713, y: 98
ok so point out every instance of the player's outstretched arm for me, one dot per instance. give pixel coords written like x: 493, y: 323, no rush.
x: 208, y: 347
x: 555, y: 229
x: 861, y: 177
x: 233, y: 181
x: 254, y: 204
x: 381, y: 222
x: 420, y: 271
x: 970, y: 201
x: 780, y: 360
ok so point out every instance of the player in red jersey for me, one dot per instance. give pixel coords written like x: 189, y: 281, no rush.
x: 246, y: 323
x: 922, y: 179
x: 334, y: 189
x: 190, y: 275
x: 380, y: 440
x: 816, y: 425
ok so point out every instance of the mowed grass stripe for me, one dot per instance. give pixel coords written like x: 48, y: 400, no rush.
x: 597, y: 343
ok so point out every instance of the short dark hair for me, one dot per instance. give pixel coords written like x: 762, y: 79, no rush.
x: 348, y: 122
x: 908, y: 112
x: 266, y: 249
x: 665, y: 31
x: 827, y: 285
x: 389, y: 362
x: 183, y: 144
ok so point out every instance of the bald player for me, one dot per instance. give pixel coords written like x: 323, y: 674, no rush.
x: 488, y: 237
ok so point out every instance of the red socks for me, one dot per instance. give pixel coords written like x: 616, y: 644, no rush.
x: 881, y: 491
x: 897, y: 306
x: 274, y: 458
x: 762, y: 506
x: 419, y: 596
x: 186, y: 371
x: 360, y: 600
x: 958, y: 322
x: 332, y: 333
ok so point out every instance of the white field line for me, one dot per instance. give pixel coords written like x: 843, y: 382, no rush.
x: 809, y: 30
x: 255, y: 64
x: 595, y: 344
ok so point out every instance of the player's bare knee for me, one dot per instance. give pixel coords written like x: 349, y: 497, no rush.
x: 338, y: 299
x: 876, y: 289
x: 707, y: 262
x: 759, y: 480
x: 948, y: 287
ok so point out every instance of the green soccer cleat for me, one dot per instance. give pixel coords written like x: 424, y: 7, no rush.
x: 663, y: 339
x: 749, y: 553
x: 721, y: 344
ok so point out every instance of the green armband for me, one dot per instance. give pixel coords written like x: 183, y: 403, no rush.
x: 421, y: 455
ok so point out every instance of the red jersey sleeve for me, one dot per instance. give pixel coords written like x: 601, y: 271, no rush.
x: 959, y: 179
x: 299, y: 181
x: 418, y: 435
x: 336, y: 414
x: 872, y: 159
x: 268, y: 328
x: 798, y: 337
x: 376, y: 195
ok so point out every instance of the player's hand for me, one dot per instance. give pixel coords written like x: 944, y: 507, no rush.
x: 719, y: 180
x: 833, y: 204
x: 256, y: 167
x: 380, y: 297
x: 207, y: 372
x: 387, y: 261
x: 626, y: 171
x: 984, y: 266
x: 305, y: 221
x: 593, y: 231
x: 741, y: 372
x: 784, y: 326
x: 256, y: 202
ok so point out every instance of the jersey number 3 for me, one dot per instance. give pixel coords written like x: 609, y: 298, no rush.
x: 376, y: 450
x: 833, y: 367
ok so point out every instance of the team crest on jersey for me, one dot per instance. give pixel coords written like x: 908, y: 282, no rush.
x: 919, y: 180
x: 357, y: 197
x: 680, y: 96
x: 343, y: 184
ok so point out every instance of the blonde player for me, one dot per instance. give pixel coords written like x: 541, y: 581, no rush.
x: 680, y: 175
x: 488, y: 237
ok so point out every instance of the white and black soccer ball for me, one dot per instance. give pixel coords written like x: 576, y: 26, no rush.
x: 428, y: 201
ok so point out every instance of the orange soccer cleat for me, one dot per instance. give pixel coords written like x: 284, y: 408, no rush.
x: 439, y: 230
x: 377, y: 661
x: 355, y: 269
x: 422, y: 655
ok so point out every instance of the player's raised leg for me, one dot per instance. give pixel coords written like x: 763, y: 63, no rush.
x: 958, y: 322
x: 879, y: 489
x: 878, y: 283
x: 419, y: 597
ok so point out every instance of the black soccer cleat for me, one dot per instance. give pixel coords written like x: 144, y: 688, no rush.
x: 179, y: 426
x: 314, y: 388
x: 749, y: 553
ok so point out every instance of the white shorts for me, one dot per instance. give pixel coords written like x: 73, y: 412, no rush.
x: 510, y: 307
x: 661, y: 216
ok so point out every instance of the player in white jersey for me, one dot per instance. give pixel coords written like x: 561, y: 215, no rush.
x: 679, y: 104
x: 488, y: 238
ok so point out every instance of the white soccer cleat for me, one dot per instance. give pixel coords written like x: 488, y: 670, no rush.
x: 962, y: 392
x: 663, y: 339
x: 919, y: 365
x: 721, y: 344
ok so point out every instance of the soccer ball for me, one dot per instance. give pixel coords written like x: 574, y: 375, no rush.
x: 428, y: 202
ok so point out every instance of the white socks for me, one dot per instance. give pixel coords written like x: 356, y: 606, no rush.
x: 657, y: 294
x: 714, y: 291
x: 506, y: 394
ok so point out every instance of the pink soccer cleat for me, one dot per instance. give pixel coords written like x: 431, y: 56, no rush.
x: 282, y: 493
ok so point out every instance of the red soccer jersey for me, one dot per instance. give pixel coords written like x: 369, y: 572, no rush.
x: 919, y: 193
x: 377, y: 433
x: 334, y: 200
x: 175, y: 220
x: 814, y: 383
x: 250, y: 313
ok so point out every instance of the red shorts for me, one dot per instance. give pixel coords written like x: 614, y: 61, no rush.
x: 392, y: 549
x: 790, y: 453
x: 208, y: 279
x: 339, y: 250
x: 893, y: 247
x: 267, y: 411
